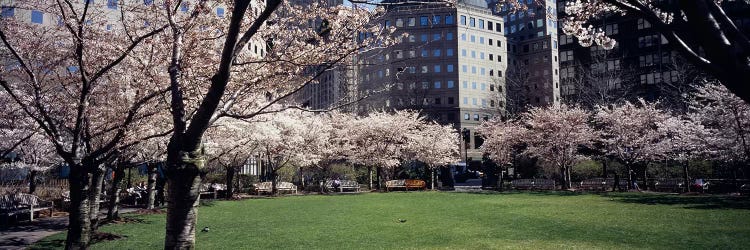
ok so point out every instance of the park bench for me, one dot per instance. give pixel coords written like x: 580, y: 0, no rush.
x: 406, y: 184
x: 267, y: 187
x: 670, y: 185
x: 343, y: 185
x: 599, y: 184
x: 19, y: 203
x: 211, y: 190
x: 533, y: 184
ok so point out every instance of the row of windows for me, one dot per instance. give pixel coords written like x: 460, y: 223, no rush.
x: 473, y: 39
x: 480, y: 71
x: 423, y: 21
x: 482, y: 86
x: 38, y: 16
x: 426, y: 85
x: 427, y: 38
x: 437, y: 101
x: 480, y: 23
x: 473, y: 54
x: 651, y: 40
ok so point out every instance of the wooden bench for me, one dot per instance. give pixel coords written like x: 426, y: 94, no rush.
x: 599, y: 184
x: 671, y: 185
x: 343, y: 185
x: 267, y: 187
x: 212, y: 189
x: 13, y: 204
x: 406, y: 184
x: 533, y: 184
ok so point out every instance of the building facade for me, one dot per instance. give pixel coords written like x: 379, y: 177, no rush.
x: 448, y: 65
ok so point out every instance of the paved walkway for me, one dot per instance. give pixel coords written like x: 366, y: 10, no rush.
x: 26, y: 233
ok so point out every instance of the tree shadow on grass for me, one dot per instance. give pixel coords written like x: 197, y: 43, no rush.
x: 48, y: 244
x: 691, y: 202
x: 528, y: 192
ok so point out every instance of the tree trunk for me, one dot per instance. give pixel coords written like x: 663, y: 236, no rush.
x: 230, y: 178
x: 274, y: 182
x: 114, y: 195
x: 604, y: 168
x: 184, y: 183
x: 432, y: 178
x: 151, y: 186
x: 630, y: 176
x: 369, y: 176
x: 95, y: 196
x: 160, y: 184
x: 32, y: 181
x: 686, y: 176
x: 567, y: 178
x: 563, y: 185
x: 379, y: 171
x: 79, y: 225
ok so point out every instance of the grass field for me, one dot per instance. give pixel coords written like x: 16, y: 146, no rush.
x: 444, y: 220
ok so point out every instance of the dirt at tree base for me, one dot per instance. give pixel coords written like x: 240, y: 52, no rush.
x: 150, y: 211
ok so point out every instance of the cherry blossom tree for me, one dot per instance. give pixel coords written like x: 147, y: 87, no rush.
x: 681, y: 142
x: 726, y: 118
x: 434, y: 145
x: 219, y: 74
x: 630, y: 132
x: 727, y: 49
x: 555, y: 134
x: 78, y: 82
x: 502, y: 139
x: 229, y: 143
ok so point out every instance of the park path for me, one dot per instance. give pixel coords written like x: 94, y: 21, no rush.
x: 26, y: 233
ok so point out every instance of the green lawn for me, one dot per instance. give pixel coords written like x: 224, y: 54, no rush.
x: 436, y: 220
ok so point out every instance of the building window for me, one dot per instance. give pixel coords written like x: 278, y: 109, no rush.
x: 476, y: 116
x: 449, y: 68
x: 424, y: 21
x: 481, y: 23
x: 466, y: 115
x: 473, y: 38
x: 437, y: 101
x: 472, y: 22
x: 474, y: 101
x: 437, y: 69
x: 8, y: 11
x: 425, y: 85
x: 449, y: 36
x: 399, y: 22
x: 387, y: 23
x: 473, y: 85
x: 463, y: 20
x: 489, y: 26
x: 566, y: 56
x: 220, y: 12
x: 425, y: 53
x: 435, y: 19
x: 112, y: 4
x: 412, y: 21
x: 611, y: 29
x: 148, y: 2
x: 449, y: 19
x: 436, y: 53
x: 481, y: 40
x: 463, y: 52
x: 449, y: 52
x: 463, y: 37
x: 424, y: 69
x: 643, y: 24
x: 473, y: 54
x: 450, y: 86
x: 436, y: 37
x: 438, y: 85
x: 464, y: 68
x: 37, y: 17
x: 423, y: 38
x: 466, y: 101
x: 483, y: 86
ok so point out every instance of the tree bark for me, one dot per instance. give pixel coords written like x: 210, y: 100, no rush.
x: 230, y: 179
x: 686, y: 176
x: 113, y: 212
x: 95, y: 196
x: 79, y: 225
x: 151, y: 186
x: 32, y: 181
x: 432, y: 178
x: 369, y: 177
x: 184, y: 192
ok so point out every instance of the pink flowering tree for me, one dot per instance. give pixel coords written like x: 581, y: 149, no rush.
x: 434, y: 145
x: 726, y: 118
x: 630, y: 132
x: 80, y: 84
x: 682, y: 142
x: 555, y: 135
